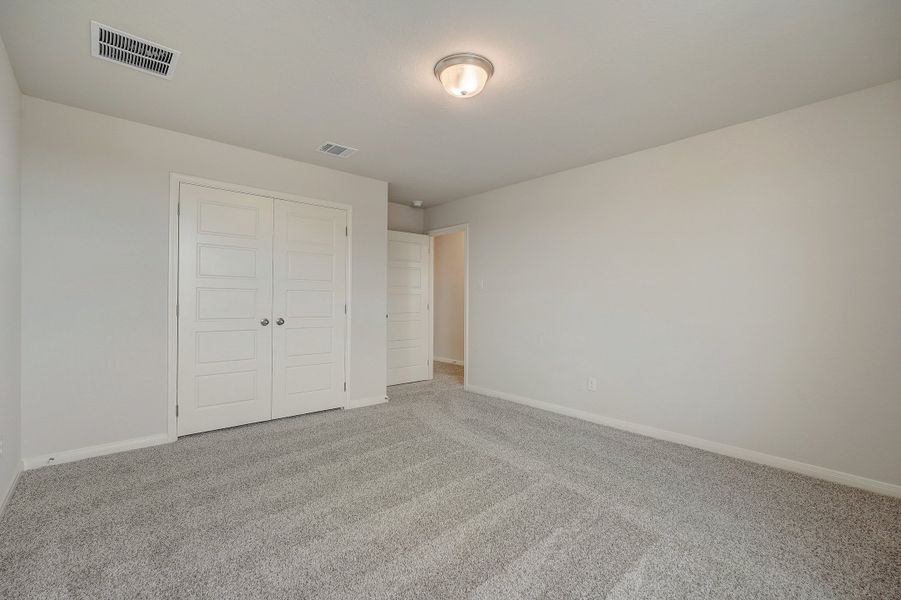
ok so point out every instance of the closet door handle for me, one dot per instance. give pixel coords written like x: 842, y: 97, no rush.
x: 264, y: 322
x: 280, y: 321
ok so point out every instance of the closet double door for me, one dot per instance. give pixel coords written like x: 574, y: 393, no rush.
x: 261, y: 308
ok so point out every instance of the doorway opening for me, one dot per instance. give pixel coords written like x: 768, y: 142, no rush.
x: 428, y: 306
x: 450, y: 303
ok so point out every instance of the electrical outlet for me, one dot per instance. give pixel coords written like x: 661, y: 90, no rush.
x: 592, y: 384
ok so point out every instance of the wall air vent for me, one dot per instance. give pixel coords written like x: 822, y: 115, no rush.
x: 336, y: 150
x: 134, y: 52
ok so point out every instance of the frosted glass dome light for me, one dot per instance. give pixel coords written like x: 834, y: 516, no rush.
x: 464, y: 75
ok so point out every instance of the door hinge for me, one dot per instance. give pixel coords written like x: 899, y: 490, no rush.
x: 176, y: 310
x: 176, y: 410
x: 346, y: 232
x: 345, y: 386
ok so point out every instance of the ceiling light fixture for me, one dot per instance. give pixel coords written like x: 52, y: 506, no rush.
x: 465, y: 74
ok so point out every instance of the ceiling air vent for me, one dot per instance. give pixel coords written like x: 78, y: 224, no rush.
x: 129, y: 50
x: 336, y: 150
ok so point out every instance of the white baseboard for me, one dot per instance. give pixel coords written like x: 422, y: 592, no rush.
x: 787, y: 464
x: 66, y: 456
x: 451, y: 361
x: 361, y: 402
x: 8, y: 493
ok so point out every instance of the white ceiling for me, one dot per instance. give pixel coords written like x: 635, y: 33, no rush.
x: 576, y: 82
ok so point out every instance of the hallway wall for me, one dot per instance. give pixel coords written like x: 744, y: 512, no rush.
x: 450, y: 273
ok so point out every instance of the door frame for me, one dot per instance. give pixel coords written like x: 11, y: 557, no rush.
x: 175, y: 181
x: 433, y: 233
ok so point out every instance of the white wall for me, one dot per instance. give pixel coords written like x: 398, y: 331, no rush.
x: 742, y: 286
x: 10, y: 280
x: 450, y: 274
x: 405, y: 218
x: 95, y: 229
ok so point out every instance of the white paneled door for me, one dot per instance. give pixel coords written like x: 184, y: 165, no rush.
x: 309, y: 308
x: 261, y: 323
x: 224, y: 307
x: 409, y: 311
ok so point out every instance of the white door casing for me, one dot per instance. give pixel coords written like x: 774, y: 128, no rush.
x: 409, y: 314
x: 309, y: 308
x: 225, y: 296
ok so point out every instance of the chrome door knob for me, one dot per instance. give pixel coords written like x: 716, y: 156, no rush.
x: 264, y: 322
x: 280, y: 321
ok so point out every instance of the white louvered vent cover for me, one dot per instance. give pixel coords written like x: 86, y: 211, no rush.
x: 134, y: 52
x: 336, y: 150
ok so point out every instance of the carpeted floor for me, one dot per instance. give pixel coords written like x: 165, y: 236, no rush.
x: 440, y: 494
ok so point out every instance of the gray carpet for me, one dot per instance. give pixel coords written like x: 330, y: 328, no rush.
x: 440, y: 494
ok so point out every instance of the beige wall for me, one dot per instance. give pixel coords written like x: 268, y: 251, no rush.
x: 10, y: 275
x: 95, y: 212
x: 742, y: 286
x: 450, y: 273
x: 405, y: 218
